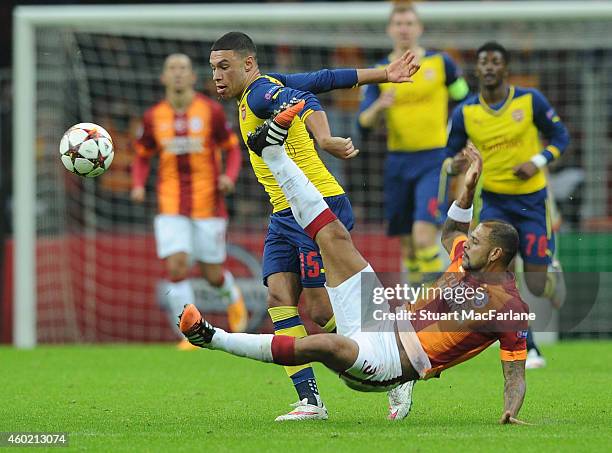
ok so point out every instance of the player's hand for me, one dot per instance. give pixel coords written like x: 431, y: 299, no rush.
x: 402, y: 69
x: 225, y: 184
x: 386, y: 99
x: 472, y: 175
x: 508, y: 419
x: 339, y: 147
x: 459, y: 163
x: 525, y: 171
x: 137, y: 194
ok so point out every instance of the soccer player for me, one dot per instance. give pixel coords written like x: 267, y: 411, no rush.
x: 188, y: 131
x: 291, y: 259
x: 416, y: 117
x: 503, y: 122
x: 384, y: 357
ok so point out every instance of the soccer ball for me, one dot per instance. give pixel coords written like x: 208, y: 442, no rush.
x: 86, y: 149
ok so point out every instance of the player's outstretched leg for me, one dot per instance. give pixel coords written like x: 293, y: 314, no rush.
x: 334, y: 351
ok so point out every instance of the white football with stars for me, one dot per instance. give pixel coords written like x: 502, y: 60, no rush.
x: 86, y: 149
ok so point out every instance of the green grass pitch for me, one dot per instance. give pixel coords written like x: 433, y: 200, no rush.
x: 155, y: 398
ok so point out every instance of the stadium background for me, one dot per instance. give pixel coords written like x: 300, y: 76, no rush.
x: 97, y: 271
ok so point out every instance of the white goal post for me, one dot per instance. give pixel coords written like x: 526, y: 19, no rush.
x: 200, y: 20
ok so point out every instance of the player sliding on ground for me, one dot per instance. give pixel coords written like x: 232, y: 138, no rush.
x: 387, y: 356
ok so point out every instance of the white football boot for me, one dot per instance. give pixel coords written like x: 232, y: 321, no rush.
x: 534, y: 360
x: 400, y: 401
x: 304, y: 411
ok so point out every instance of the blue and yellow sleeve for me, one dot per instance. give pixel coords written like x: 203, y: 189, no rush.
x: 319, y: 81
x: 265, y: 98
x: 549, y: 124
x: 456, y: 85
x: 457, y: 138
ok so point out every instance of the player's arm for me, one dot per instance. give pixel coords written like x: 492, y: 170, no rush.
x: 514, y: 390
x: 373, y: 105
x: 549, y: 124
x: 225, y: 137
x: 145, y: 147
x: 456, y: 85
x: 398, y: 71
x: 457, y: 139
x: 339, y: 147
x: 460, y: 213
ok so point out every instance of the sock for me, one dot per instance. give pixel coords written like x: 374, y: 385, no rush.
x: 531, y: 343
x: 229, y: 289
x: 179, y: 294
x: 307, y: 204
x: 287, y: 322
x: 551, y: 285
x: 414, y: 276
x: 253, y: 346
x: 279, y: 349
x: 430, y: 263
x: 330, y: 326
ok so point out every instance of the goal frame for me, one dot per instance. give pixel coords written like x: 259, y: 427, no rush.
x: 27, y: 18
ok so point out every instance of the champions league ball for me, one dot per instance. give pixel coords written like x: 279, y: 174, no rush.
x: 86, y: 149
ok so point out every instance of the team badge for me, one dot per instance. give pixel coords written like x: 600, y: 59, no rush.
x: 180, y: 126
x: 243, y: 112
x: 518, y: 115
x: 480, y: 299
x: 195, y: 124
x: 429, y: 74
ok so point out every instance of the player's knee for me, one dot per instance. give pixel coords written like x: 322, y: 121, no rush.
x: 424, y: 235
x: 277, y: 298
x: 333, y: 235
x: 319, y: 313
x: 213, y: 274
x: 536, y: 282
x: 177, y: 271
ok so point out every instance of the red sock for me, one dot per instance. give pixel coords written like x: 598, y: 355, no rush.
x: 319, y: 222
x: 283, y: 350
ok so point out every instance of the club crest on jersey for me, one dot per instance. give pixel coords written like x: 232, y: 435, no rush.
x: 195, y: 124
x: 180, y: 125
x: 429, y: 74
x: 518, y: 115
x: 243, y: 112
x: 480, y: 300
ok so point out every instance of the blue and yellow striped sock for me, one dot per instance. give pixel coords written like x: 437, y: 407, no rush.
x: 430, y: 263
x: 413, y: 270
x: 287, y: 322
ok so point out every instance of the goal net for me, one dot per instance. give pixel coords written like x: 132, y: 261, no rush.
x: 86, y: 268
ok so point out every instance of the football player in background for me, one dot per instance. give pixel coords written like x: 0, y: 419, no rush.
x: 189, y: 131
x: 416, y: 117
x: 384, y: 355
x: 292, y: 263
x: 504, y: 122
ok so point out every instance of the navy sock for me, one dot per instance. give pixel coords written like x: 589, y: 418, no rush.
x: 306, y: 386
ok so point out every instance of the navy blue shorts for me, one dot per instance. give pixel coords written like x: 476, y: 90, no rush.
x: 287, y: 247
x: 412, y: 190
x: 528, y: 213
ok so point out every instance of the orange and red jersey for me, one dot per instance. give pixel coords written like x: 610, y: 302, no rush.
x: 189, y: 146
x: 448, y: 341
